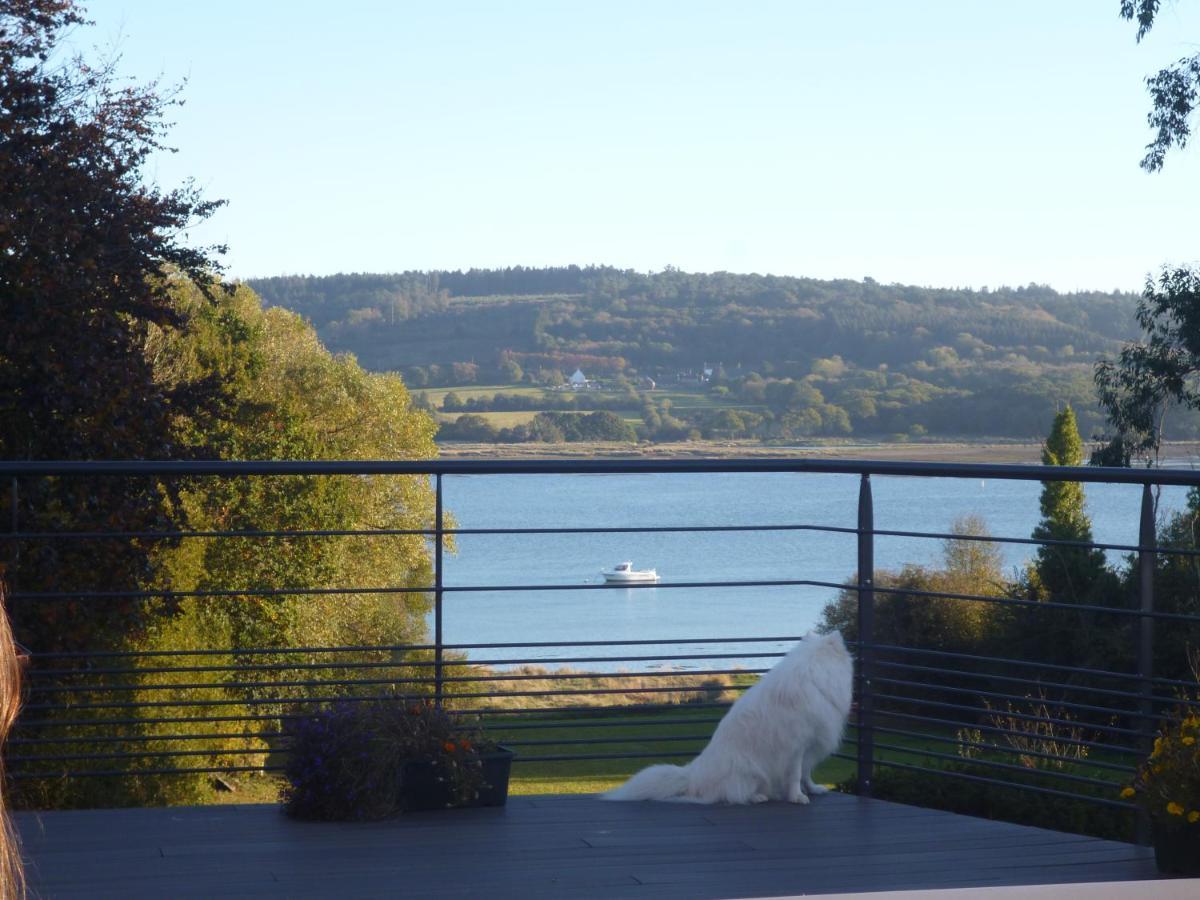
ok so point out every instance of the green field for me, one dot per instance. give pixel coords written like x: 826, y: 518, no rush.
x: 496, y: 419
x: 671, y: 736
x: 650, y: 734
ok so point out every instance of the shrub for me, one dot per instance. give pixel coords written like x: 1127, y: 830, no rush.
x: 347, y: 762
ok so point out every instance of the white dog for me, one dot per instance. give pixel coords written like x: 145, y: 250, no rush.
x: 770, y: 740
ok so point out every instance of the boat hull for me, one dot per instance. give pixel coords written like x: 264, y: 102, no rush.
x: 631, y: 577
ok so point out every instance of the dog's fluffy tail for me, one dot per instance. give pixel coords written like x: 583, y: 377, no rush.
x: 653, y: 783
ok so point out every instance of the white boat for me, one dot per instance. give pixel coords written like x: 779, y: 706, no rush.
x: 625, y: 573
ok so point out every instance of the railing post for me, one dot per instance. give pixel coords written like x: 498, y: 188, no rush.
x: 1145, y: 652
x: 866, y: 618
x: 438, y: 538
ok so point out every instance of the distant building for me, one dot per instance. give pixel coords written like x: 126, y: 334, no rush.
x: 578, y: 381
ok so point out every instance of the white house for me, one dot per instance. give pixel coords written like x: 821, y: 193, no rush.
x: 578, y: 381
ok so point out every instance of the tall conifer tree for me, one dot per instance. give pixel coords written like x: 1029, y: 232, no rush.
x: 1065, y: 574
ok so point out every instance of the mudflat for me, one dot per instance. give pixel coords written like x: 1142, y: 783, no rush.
x: 982, y: 452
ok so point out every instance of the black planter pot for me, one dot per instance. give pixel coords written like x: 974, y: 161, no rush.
x: 423, y: 788
x: 1177, y: 848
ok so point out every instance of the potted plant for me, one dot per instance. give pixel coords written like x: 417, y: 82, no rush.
x: 1167, y: 785
x: 372, y: 759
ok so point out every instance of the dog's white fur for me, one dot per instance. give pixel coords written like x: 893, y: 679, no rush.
x: 770, y: 740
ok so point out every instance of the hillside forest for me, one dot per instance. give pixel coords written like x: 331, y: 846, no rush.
x: 674, y: 355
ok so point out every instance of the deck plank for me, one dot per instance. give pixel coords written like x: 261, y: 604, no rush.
x: 555, y: 847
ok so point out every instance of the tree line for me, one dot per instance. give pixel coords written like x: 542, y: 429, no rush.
x: 885, y: 359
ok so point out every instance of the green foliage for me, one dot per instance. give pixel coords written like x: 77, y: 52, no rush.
x: 1065, y: 574
x: 1173, y: 90
x: 597, y: 426
x: 1159, y: 372
x: 835, y: 357
x: 284, y: 397
x: 82, y: 238
x: 905, y: 616
x: 1176, y: 590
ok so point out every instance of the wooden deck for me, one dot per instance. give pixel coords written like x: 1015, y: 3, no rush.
x: 555, y: 847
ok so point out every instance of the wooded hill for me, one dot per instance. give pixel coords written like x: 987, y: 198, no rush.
x: 838, y: 357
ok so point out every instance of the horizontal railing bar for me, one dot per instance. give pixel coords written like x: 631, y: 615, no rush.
x: 1166, y: 550
x: 679, y: 754
x: 600, y: 723
x: 253, y: 651
x: 175, y: 535
x: 232, y: 593
x: 559, y: 710
x: 1005, y: 661
x: 995, y: 729
x: 528, y: 588
x: 25, y: 724
x: 1011, y: 679
x: 149, y: 754
x: 564, y: 742
x: 125, y: 773
x: 1111, y: 729
x: 402, y: 664
x: 467, y: 589
x: 998, y: 695
x: 269, y: 717
x: 229, y: 593
x: 283, y: 701
x: 1016, y: 785
x: 425, y: 532
x: 448, y: 679
x: 143, y: 738
x: 996, y: 748
x: 234, y: 468
x: 881, y: 589
x: 995, y: 764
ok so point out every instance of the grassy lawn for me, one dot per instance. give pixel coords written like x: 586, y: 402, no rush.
x: 640, y: 738
x: 645, y: 735
x: 685, y: 399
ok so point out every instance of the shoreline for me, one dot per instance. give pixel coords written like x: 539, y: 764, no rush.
x: 947, y: 451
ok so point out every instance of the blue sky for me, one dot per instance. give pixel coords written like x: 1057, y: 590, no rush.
x: 966, y: 142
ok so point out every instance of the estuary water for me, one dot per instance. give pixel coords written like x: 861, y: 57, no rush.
x: 1009, y: 509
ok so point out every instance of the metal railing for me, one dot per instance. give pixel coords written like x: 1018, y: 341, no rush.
x: 170, y: 711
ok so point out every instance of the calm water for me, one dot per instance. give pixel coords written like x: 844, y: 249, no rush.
x: 1010, y: 509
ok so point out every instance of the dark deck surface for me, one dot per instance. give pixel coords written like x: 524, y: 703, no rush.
x: 555, y: 847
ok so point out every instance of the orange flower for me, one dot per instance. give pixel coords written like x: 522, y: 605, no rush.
x: 465, y: 744
x: 448, y: 746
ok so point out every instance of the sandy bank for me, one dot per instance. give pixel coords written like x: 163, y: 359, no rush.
x: 983, y: 452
